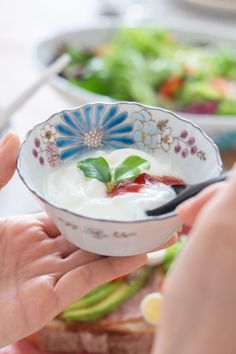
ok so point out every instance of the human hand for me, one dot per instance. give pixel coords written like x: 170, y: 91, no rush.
x: 41, y: 273
x: 198, y: 314
x: 189, y: 210
x: 22, y: 347
x: 9, y: 146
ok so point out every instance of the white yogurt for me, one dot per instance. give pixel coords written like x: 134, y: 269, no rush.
x: 68, y: 187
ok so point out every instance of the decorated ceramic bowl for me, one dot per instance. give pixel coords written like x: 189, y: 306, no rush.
x: 68, y: 135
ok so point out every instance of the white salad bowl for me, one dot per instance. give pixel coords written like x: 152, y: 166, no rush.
x: 63, y: 138
x: 222, y: 129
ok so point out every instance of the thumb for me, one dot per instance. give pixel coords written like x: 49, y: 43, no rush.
x: 9, y: 147
x: 189, y: 210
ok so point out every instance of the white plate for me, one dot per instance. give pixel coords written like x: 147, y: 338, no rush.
x: 221, y: 129
x: 225, y: 5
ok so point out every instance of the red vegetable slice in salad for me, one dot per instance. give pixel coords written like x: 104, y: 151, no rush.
x: 170, y: 87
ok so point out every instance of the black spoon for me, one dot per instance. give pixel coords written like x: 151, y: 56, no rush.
x: 184, y: 193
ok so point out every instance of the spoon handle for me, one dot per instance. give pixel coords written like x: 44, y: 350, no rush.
x: 190, y: 192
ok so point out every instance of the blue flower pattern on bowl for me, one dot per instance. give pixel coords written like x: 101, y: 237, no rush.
x: 92, y: 128
x: 145, y: 130
x: 101, y: 126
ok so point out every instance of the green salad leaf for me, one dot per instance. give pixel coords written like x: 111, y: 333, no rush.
x: 199, y: 91
x: 130, y: 168
x: 96, y: 168
x: 136, y: 63
x: 227, y: 107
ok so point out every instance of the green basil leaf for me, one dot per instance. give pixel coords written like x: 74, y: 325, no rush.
x: 130, y: 168
x: 96, y: 168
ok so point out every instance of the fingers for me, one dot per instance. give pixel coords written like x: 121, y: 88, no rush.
x: 41, y: 220
x: 76, y: 259
x: 9, y: 147
x: 47, y: 224
x: 58, y: 246
x: 226, y: 191
x: 50, y: 262
x: 231, y: 186
x: 64, y: 247
x: 170, y: 242
x: 83, y: 279
x: 188, y: 211
x: 167, y: 244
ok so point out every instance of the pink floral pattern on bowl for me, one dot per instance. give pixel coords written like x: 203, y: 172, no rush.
x: 151, y: 135
x: 46, y: 149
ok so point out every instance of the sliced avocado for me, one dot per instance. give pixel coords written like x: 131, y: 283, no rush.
x: 125, y: 291
x: 95, y: 296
